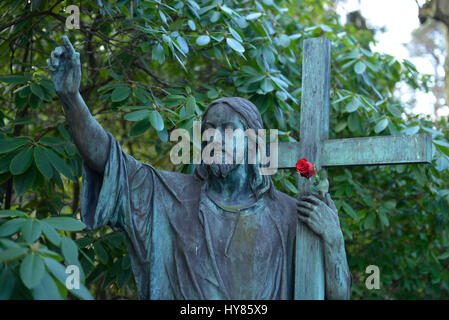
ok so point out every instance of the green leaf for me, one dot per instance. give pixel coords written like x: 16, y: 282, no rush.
x: 410, y: 130
x: 142, y: 95
x: 444, y: 256
x: 11, y: 144
x: 190, y: 105
x: 46, y: 289
x: 323, y: 186
x: 236, y: 35
x: 35, y: 4
x: 13, y: 79
x: 267, y: 85
x: 284, y: 40
x: 326, y: 28
x: 158, y: 53
x: 354, y: 122
x: 163, y: 135
x: 65, y: 223
x: 348, y: 209
x: 31, y: 230
x: 58, y: 271
x: 42, y: 163
x: 12, y: 254
x: 395, y: 110
x: 20, y: 102
x: 35, y: 101
x: 120, y: 93
x: 442, y: 145
x: 137, y: 115
x: 353, y: 105
x: 69, y: 250
x: 59, y: 164
x: 156, y: 120
x: 163, y: 17
x: 50, y: 233
x: 341, y: 125
x: 5, y: 161
x: 7, y: 283
x: 6, y: 243
x: 49, y: 253
x: 51, y: 141
x: 11, y: 226
x: 359, y: 67
x: 215, y: 16
x: 235, y: 45
x: 290, y: 186
x: 140, y: 127
x: 32, y: 270
x: 37, y: 90
x: 381, y: 125
x: 191, y: 25
x: 24, y: 181
x: 212, y: 94
x: 202, y: 40
x: 253, y: 16
x: 12, y: 213
x: 383, y: 217
x: 183, y: 44
x: 101, y: 252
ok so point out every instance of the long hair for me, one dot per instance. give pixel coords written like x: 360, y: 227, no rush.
x: 259, y: 184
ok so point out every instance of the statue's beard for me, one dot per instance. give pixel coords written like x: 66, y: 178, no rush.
x: 221, y: 170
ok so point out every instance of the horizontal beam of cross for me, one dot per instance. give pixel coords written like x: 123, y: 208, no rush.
x: 379, y: 150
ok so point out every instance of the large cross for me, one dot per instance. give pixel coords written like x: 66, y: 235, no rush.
x: 315, y: 146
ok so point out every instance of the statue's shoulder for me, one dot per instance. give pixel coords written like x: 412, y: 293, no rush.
x: 285, y: 198
x: 283, y: 208
x: 185, y: 186
x: 283, y: 202
x: 179, y: 178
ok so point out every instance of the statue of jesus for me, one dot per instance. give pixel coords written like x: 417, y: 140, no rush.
x: 223, y: 232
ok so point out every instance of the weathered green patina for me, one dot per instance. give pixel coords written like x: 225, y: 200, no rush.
x: 310, y: 278
x: 223, y: 232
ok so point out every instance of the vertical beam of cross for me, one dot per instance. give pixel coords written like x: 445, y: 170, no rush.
x: 310, y: 276
x: 315, y: 146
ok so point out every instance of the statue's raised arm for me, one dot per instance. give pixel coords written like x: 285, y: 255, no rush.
x: 90, y: 138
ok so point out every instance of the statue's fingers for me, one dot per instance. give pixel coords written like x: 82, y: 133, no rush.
x: 58, y: 51
x: 311, y: 224
x: 76, y: 58
x: 305, y: 204
x: 304, y: 209
x: 314, y: 227
x: 54, y: 61
x: 54, y: 54
x: 50, y: 66
x: 310, y: 198
x: 303, y: 219
x: 68, y: 46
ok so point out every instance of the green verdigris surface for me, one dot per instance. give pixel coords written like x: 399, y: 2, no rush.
x: 315, y: 146
x: 223, y: 232
x: 391, y: 216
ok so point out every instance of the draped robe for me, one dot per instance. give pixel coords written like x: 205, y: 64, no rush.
x: 182, y: 244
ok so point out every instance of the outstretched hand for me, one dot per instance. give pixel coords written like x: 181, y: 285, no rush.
x: 320, y: 215
x: 65, y: 68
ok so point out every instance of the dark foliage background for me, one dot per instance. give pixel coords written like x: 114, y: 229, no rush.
x: 154, y: 68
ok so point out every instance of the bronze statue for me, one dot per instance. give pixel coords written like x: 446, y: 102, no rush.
x: 223, y: 232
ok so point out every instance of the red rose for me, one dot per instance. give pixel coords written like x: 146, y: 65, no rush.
x: 305, y: 168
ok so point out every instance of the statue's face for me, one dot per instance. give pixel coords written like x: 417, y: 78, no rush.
x: 221, y: 117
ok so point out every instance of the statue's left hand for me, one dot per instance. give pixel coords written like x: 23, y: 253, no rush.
x: 321, y: 216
